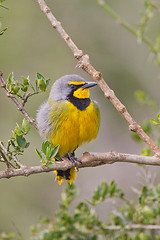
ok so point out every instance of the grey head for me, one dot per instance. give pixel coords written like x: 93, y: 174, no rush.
x: 60, y: 89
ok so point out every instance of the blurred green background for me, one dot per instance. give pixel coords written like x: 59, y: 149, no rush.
x: 30, y: 45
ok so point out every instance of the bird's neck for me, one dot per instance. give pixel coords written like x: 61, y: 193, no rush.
x: 80, y: 103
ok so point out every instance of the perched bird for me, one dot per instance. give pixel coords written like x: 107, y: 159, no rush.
x: 69, y: 118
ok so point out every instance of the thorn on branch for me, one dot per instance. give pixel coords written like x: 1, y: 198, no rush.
x: 122, y: 110
x: 67, y: 38
x: 107, y: 95
x: 97, y: 76
x: 78, y: 54
x: 47, y: 10
x: 83, y: 62
x: 132, y: 127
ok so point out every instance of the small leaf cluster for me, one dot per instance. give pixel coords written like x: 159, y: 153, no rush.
x: 48, y: 153
x: 104, y: 190
x: 20, y: 89
x: 144, y: 99
x: 150, y: 9
x: 2, y: 30
x: 146, y: 16
x: 18, y: 143
x: 10, y: 236
x: 80, y: 225
x: 41, y: 82
x: 84, y: 224
x: 156, y: 122
x: 1, y: 1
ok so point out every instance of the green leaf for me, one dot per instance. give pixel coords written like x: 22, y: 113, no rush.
x: 37, y: 88
x: 147, y: 127
x: 27, y: 145
x: 10, y: 80
x: 54, y: 152
x: 136, y: 137
x: 158, y: 116
x: 112, y: 188
x: 48, y: 152
x: 25, y: 88
x: 25, y: 81
x: 146, y: 4
x: 104, y: 190
x: 38, y: 153
x: 16, y: 89
x: 21, y: 141
x: 141, y: 96
x: 146, y: 152
x: 25, y: 126
x: 42, y: 85
x: 3, y: 30
x: 47, y: 81
x: 17, y: 130
x: 44, y: 146
x: 154, y: 122
x: 40, y: 76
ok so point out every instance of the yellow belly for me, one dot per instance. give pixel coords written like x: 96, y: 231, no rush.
x: 76, y: 127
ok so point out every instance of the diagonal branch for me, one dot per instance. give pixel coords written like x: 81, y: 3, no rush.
x: 84, y: 63
x: 18, y: 104
x: 88, y: 160
x: 5, y: 159
x: 126, y: 25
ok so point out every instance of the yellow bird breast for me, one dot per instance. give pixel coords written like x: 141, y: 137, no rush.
x: 72, y: 127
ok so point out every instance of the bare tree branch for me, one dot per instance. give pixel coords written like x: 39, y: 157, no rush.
x: 88, y: 160
x: 84, y: 63
x: 18, y: 104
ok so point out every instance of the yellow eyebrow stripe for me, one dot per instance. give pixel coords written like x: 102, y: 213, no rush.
x: 76, y: 83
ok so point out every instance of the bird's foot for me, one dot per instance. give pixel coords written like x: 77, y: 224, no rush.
x: 74, y: 160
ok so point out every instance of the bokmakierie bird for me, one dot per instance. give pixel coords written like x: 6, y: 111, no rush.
x: 69, y: 118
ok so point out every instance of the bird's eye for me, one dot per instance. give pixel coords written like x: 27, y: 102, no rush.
x: 76, y: 86
x: 73, y: 86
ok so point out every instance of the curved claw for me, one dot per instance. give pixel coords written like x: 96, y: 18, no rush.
x: 74, y: 160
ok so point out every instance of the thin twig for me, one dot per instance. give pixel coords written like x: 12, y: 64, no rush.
x: 88, y: 160
x: 11, y: 156
x: 84, y: 63
x: 18, y: 104
x: 126, y: 25
x: 133, y: 227
x: 4, y: 158
x: 26, y: 98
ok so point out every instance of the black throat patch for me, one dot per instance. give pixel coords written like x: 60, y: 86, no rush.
x: 80, y: 103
